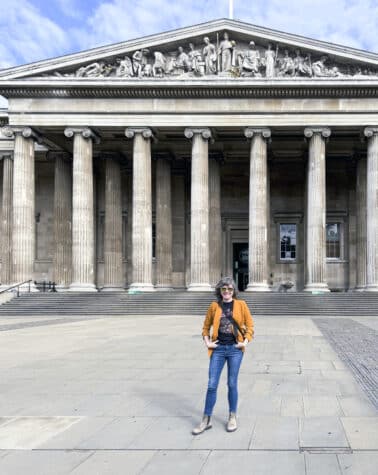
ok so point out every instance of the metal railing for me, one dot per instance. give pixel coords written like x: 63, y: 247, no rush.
x: 17, y: 286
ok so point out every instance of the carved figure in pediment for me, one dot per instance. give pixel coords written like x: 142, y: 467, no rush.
x: 93, y: 70
x: 158, y: 68
x: 124, y: 68
x: 225, y: 51
x: 319, y: 69
x: 302, y: 64
x: 270, y: 61
x: 196, y: 60
x: 140, y: 62
x: 286, y: 65
x: 250, y: 60
x: 210, y: 56
x: 182, y: 63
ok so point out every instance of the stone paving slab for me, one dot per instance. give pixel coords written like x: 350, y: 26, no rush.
x: 136, y: 385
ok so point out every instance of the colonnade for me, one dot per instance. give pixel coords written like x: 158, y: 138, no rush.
x: 74, y: 255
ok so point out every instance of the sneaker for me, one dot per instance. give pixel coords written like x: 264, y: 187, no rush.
x: 204, y: 425
x: 231, y: 424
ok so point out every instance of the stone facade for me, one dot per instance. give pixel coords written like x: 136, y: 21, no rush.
x: 166, y: 171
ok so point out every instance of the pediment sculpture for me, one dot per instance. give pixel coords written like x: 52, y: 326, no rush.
x: 223, y: 57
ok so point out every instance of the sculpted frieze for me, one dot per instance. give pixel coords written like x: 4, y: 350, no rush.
x: 221, y: 56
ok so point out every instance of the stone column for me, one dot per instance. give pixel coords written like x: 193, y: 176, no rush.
x: 199, y: 222
x: 23, y: 197
x: 215, y: 222
x: 372, y: 210
x: 62, y: 272
x: 113, y: 266
x: 258, y: 210
x: 141, y: 234
x: 83, y: 251
x: 361, y: 224
x: 163, y: 222
x: 6, y: 220
x: 316, y: 211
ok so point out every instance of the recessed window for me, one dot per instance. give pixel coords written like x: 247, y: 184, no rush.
x: 333, y: 240
x: 288, y: 241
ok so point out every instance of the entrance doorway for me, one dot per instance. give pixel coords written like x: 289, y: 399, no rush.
x: 240, y: 264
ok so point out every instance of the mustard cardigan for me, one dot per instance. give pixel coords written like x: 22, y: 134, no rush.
x: 241, y: 315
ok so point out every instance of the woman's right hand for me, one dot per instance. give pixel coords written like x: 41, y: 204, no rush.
x: 212, y: 344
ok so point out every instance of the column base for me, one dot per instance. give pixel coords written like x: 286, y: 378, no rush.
x: 200, y: 288
x: 79, y: 287
x: 359, y: 289
x: 316, y: 287
x: 141, y: 287
x: 371, y: 288
x: 62, y: 288
x: 113, y: 288
x: 258, y: 287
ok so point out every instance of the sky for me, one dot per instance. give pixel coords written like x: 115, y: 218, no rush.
x: 33, y: 30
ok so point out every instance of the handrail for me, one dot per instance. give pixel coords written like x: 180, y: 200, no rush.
x: 17, y: 286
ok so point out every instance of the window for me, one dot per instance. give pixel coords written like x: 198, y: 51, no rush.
x: 333, y: 240
x: 288, y: 241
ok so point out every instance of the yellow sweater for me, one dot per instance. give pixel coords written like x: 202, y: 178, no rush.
x: 241, y: 315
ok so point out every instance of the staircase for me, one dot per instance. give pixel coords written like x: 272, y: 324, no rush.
x: 188, y: 303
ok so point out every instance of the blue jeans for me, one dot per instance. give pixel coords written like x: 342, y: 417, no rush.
x: 220, y: 355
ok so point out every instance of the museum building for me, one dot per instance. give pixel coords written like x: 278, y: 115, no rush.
x: 169, y: 161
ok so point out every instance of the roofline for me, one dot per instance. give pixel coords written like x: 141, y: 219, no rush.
x: 167, y: 36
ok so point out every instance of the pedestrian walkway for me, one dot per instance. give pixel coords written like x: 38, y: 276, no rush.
x: 120, y: 395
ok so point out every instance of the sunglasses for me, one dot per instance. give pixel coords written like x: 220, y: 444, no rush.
x: 227, y: 289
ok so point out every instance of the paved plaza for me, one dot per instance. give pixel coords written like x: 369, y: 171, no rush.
x: 120, y: 395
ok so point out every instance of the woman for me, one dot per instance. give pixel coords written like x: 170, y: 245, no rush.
x: 232, y: 330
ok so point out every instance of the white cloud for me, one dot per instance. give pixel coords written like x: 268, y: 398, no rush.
x: 28, y: 35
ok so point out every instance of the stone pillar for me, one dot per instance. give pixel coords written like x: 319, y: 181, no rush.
x: 372, y: 210
x: 258, y: 210
x: 215, y: 222
x: 141, y: 234
x: 315, y: 279
x: 83, y: 239
x: 199, y: 222
x: 163, y: 223
x: 62, y: 272
x: 6, y: 220
x: 113, y: 266
x: 361, y: 224
x: 23, y: 198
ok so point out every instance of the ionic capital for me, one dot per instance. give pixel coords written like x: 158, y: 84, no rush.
x: 85, y: 132
x: 26, y: 132
x: 324, y: 132
x: 6, y: 155
x: 249, y: 132
x: 370, y: 131
x: 163, y: 156
x: 146, y: 132
x: 205, y: 132
x: 56, y: 154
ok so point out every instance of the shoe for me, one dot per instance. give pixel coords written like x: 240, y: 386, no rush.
x: 204, y: 425
x: 231, y: 424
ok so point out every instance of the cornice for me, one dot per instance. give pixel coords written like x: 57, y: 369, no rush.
x: 195, y: 89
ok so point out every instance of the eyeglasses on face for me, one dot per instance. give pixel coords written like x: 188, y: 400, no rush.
x: 227, y: 289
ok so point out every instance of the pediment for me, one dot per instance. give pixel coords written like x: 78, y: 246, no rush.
x: 205, y: 52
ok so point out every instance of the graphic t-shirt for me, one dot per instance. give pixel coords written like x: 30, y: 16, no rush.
x: 226, y: 330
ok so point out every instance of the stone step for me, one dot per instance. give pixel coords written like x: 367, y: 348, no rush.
x: 181, y: 303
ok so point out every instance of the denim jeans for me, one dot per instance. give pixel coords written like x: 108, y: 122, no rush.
x: 220, y: 355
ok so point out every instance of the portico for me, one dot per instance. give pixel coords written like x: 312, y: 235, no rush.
x: 154, y: 183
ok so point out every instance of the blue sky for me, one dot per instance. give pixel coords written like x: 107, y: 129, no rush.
x: 32, y: 30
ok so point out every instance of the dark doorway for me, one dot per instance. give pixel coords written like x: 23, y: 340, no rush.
x: 240, y: 264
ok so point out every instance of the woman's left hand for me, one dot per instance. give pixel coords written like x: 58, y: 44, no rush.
x: 241, y: 344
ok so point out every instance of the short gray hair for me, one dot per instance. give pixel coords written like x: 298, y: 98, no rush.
x: 225, y: 281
